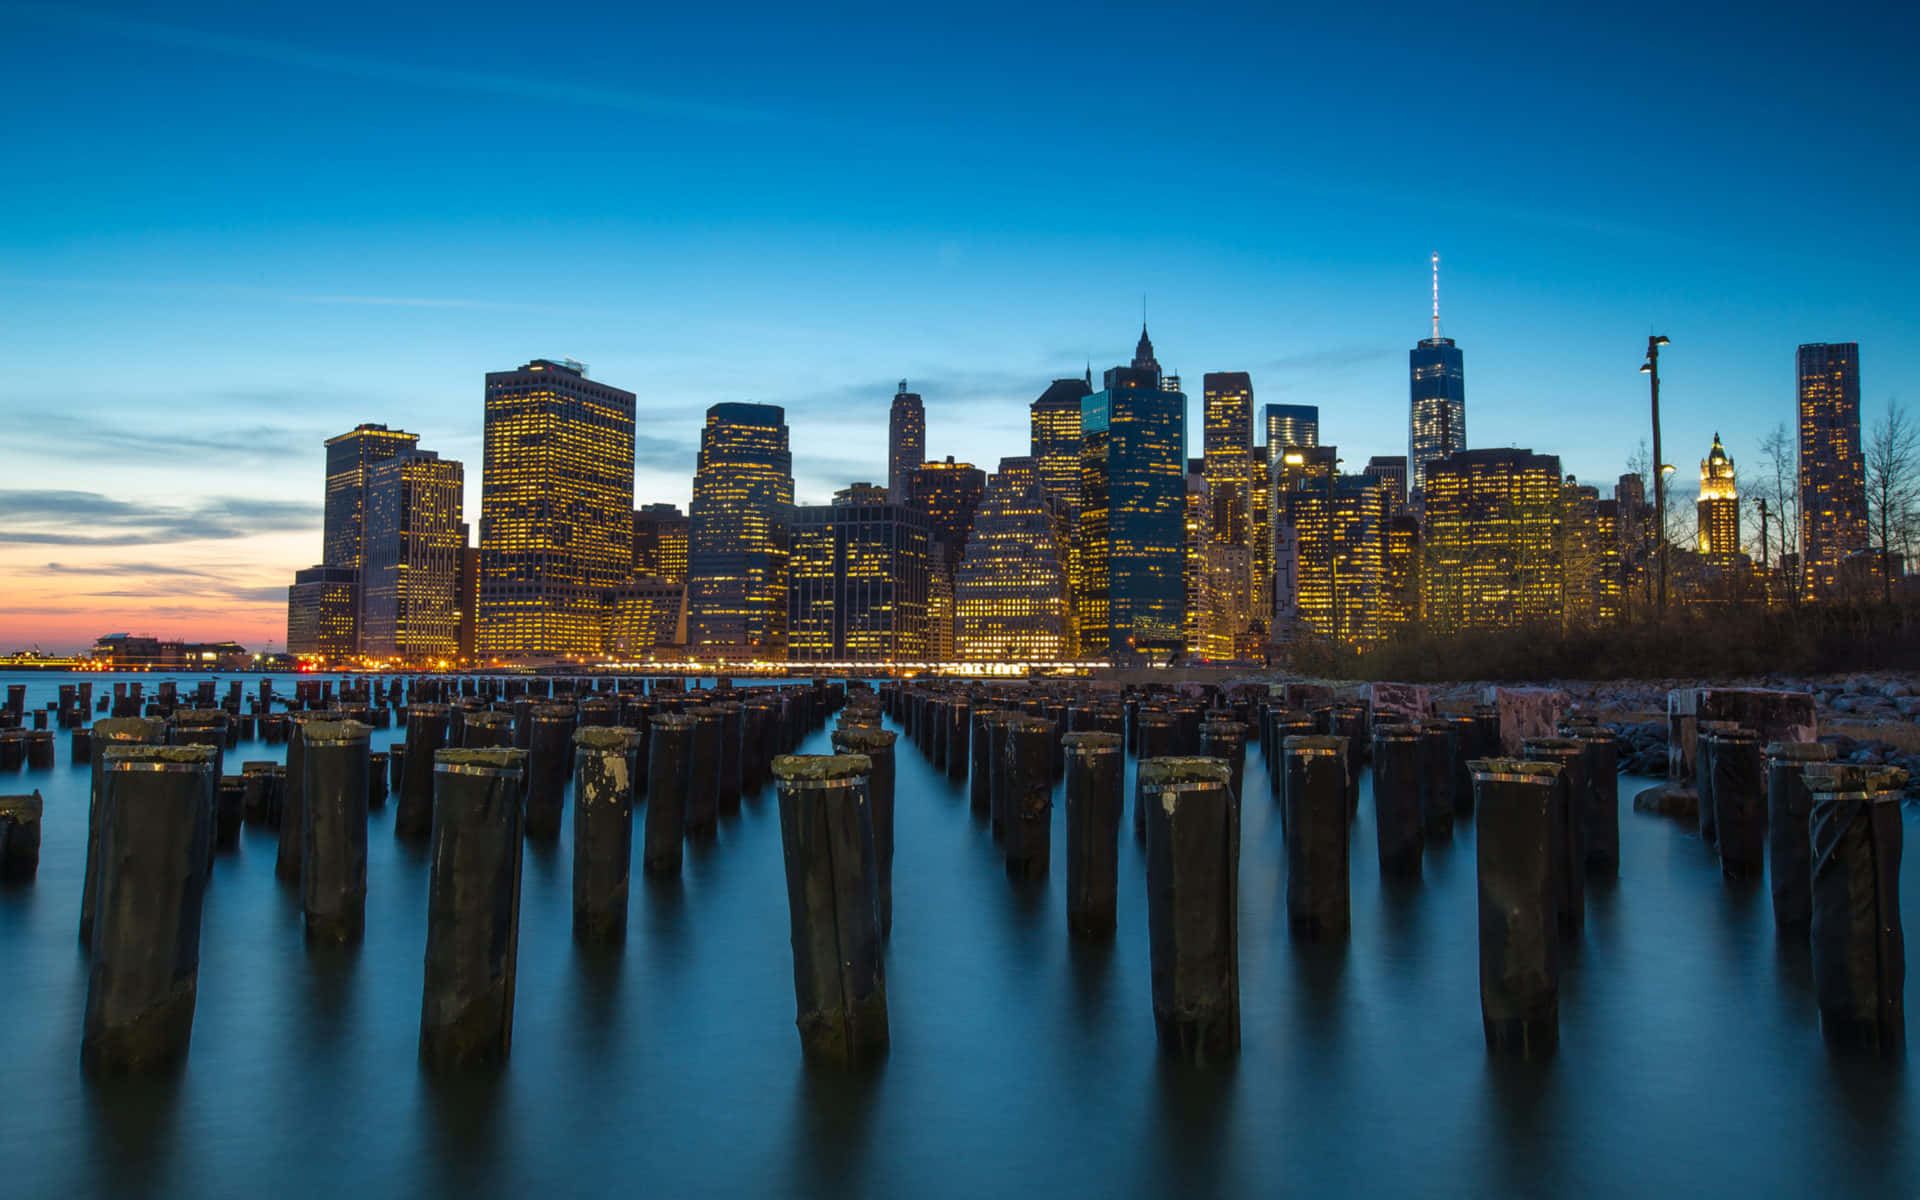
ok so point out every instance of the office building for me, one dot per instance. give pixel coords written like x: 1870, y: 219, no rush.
x: 1437, y: 422
x: 949, y: 493
x: 349, y: 457
x: 410, y: 602
x: 1493, y: 557
x: 1832, y: 472
x: 1291, y: 425
x: 1336, y: 538
x: 1227, y: 445
x: 1128, y: 588
x: 1391, y: 470
x: 1010, y: 590
x: 321, y: 606
x: 556, y: 510
x: 660, y: 542
x: 646, y: 618
x: 906, y: 443
x: 857, y: 588
x: 737, y: 530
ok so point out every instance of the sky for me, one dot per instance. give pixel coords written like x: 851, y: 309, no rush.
x: 231, y: 231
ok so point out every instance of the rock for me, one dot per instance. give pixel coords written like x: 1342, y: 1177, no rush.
x: 1669, y: 800
x: 1894, y: 691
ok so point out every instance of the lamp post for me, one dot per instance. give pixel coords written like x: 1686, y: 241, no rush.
x: 1651, y: 368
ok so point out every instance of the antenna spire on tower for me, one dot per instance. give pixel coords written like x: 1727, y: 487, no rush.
x: 1436, y: 295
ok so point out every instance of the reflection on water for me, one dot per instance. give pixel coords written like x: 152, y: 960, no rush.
x: 1023, y: 1061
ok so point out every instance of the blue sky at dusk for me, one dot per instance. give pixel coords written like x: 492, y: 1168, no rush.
x: 230, y: 231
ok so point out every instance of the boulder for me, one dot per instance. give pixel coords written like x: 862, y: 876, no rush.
x: 1775, y: 716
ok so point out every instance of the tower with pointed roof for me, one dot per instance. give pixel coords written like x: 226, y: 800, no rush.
x: 1437, y: 418
x: 1719, y: 505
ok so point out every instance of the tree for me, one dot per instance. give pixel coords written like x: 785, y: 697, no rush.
x: 1780, y: 485
x: 1893, y: 486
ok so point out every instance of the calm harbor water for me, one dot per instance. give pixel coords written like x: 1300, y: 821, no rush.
x: 1690, y: 1056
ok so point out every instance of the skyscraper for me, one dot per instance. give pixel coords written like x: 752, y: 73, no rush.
x: 1128, y: 584
x: 1832, y: 474
x: 1291, y: 425
x: 857, y: 588
x: 410, y: 604
x: 1718, y: 508
x: 949, y: 493
x: 1493, y: 534
x: 1336, y: 534
x: 1010, y: 590
x: 1054, y: 443
x: 906, y: 443
x: 660, y: 542
x: 321, y: 606
x: 738, y: 527
x: 343, y: 536
x: 1227, y: 443
x: 1437, y: 425
x: 556, y: 509
x: 1391, y: 470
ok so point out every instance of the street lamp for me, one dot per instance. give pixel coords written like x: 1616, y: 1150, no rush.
x: 1651, y: 369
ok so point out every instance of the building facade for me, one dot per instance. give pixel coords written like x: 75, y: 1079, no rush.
x: 906, y: 443
x: 1291, y: 425
x: 737, y: 530
x: 1391, y: 471
x: 1493, y: 548
x: 1718, y: 508
x: 349, y: 457
x: 321, y: 607
x: 857, y: 588
x: 645, y: 616
x: 660, y: 542
x: 1437, y: 422
x: 1129, y: 593
x: 410, y: 604
x: 1010, y: 589
x: 556, y: 509
x: 1832, y: 471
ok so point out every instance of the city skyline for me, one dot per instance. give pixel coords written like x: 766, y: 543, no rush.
x: 227, y: 307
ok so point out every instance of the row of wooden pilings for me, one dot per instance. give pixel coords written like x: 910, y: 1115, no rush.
x: 476, y: 778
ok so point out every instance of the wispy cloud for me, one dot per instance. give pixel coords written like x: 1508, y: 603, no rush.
x: 88, y: 439
x: 664, y: 453
x: 1331, y: 358
x: 523, y: 85
x: 52, y: 517
x: 124, y: 569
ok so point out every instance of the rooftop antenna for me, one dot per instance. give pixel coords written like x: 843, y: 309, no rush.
x: 1436, y: 295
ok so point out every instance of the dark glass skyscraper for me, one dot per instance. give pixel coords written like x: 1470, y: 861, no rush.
x: 1291, y: 425
x: 1832, y: 476
x: 1054, y: 444
x: 858, y: 581
x: 556, y: 510
x: 737, y: 533
x: 949, y: 492
x: 906, y: 443
x: 1129, y: 569
x: 343, y: 534
x: 1437, y: 418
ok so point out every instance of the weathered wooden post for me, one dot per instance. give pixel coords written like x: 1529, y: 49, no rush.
x: 839, y: 970
x: 1027, y: 811
x: 1319, y: 816
x: 108, y: 732
x: 473, y: 907
x: 1790, y: 830
x: 20, y: 836
x: 1227, y: 741
x: 958, y: 722
x: 1516, y: 801
x: 1435, y: 761
x: 732, y: 720
x: 980, y: 756
x: 1599, y: 808
x: 1569, y: 830
x: 669, y: 749
x: 703, y: 771
x: 1739, y: 803
x: 878, y: 747
x: 550, y: 730
x: 333, y: 873
x: 602, y: 832
x: 293, y: 803
x: 492, y: 731
x: 1193, y: 904
x: 1859, y: 951
x: 1155, y: 735
x: 1396, y: 799
x: 1094, y: 805
x: 426, y: 736
x: 155, y: 821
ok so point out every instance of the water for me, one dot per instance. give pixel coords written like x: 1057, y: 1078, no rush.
x: 1690, y: 1056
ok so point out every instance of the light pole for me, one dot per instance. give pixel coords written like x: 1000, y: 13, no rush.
x: 1651, y: 368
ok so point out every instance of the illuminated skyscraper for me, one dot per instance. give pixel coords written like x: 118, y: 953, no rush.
x: 949, y: 493
x: 660, y: 542
x: 1291, y: 425
x: 1832, y: 474
x: 646, y: 616
x: 1590, y: 557
x: 1400, y: 575
x: 737, y: 556
x: 1128, y: 586
x: 321, y: 605
x: 906, y: 443
x: 1227, y: 441
x: 1054, y: 444
x: 1493, y: 534
x: 343, y: 536
x: 1336, y: 535
x: 1437, y: 426
x: 410, y: 606
x: 556, y: 509
x: 1010, y: 591
x: 857, y: 588
x: 1391, y: 470
x: 1719, y: 505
